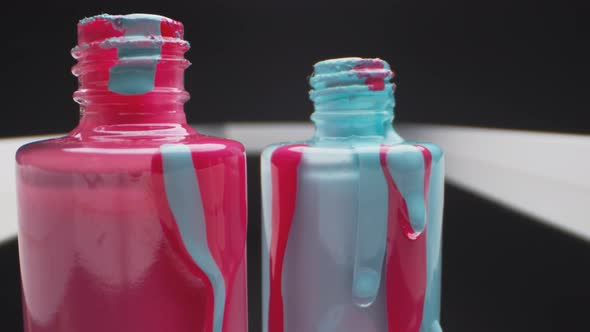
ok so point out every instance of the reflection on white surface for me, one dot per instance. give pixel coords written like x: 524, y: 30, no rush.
x: 542, y: 175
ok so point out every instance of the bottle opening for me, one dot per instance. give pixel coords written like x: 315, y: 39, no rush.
x: 136, y: 55
x: 354, y: 84
x: 352, y: 97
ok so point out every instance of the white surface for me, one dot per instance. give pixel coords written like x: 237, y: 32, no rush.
x: 256, y: 136
x: 8, y: 147
x: 542, y: 175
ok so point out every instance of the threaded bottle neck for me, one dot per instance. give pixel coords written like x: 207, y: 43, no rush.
x: 131, y: 61
x: 352, y: 97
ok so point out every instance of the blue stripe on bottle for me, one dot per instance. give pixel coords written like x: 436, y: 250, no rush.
x: 434, y: 235
x: 184, y: 196
x: 135, y: 73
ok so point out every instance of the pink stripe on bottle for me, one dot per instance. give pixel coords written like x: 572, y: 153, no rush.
x: 405, y: 262
x: 221, y: 175
x: 285, y: 162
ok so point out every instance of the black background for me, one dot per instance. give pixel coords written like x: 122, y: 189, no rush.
x: 510, y: 64
x: 506, y: 64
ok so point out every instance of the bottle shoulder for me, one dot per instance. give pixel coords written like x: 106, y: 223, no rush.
x: 435, y: 151
x: 339, y: 152
x: 69, y: 153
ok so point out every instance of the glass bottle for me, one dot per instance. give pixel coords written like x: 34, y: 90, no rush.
x: 133, y: 222
x: 352, y: 217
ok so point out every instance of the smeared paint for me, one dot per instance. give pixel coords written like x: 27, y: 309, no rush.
x: 136, y: 71
x: 184, y: 198
x: 352, y: 84
x: 138, y: 39
x: 406, y: 255
x: 133, y: 77
x: 285, y: 161
x: 372, y: 70
x: 371, y: 227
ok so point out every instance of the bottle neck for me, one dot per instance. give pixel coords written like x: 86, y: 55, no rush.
x: 364, y: 124
x: 131, y: 75
x: 133, y: 115
x: 100, y: 122
x: 94, y: 115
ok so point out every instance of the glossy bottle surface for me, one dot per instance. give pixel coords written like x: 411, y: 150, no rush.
x: 352, y: 218
x: 133, y: 221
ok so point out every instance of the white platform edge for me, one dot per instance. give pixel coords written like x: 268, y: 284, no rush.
x: 542, y: 175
